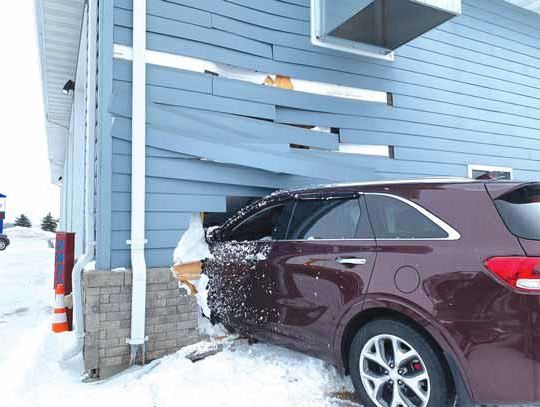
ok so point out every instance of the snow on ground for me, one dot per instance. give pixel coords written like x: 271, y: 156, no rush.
x: 242, y: 375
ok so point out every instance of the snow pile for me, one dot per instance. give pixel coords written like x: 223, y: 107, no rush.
x: 242, y: 375
x: 193, y: 247
x: 18, y: 232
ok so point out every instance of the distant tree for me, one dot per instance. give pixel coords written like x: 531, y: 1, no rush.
x: 49, y: 224
x: 23, y: 221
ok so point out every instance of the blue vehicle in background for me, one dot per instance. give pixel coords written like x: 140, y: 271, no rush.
x: 4, y: 241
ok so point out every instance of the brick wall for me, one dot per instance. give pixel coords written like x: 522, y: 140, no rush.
x: 171, y: 319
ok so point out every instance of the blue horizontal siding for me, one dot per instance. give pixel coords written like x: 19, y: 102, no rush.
x: 464, y: 93
x: 154, y: 257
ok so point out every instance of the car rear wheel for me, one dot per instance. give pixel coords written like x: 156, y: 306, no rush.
x: 392, y: 365
x: 3, y: 244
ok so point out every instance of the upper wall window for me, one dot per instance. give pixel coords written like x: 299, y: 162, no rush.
x: 329, y: 219
x: 394, y: 218
x: 487, y: 172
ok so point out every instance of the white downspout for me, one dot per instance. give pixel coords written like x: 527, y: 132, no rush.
x: 138, y: 179
x: 88, y: 255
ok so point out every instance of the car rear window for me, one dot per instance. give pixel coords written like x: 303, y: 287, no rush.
x: 520, y: 210
x: 395, y: 219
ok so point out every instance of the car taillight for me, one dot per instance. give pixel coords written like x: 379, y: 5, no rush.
x: 522, y: 273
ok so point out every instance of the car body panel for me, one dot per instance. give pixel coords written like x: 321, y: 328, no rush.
x: 313, y: 289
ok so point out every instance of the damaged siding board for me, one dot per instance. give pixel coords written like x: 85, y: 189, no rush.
x: 466, y: 92
x: 288, y: 98
x: 203, y: 171
x: 175, y: 97
x: 166, y: 77
x: 175, y: 124
x: 122, y: 183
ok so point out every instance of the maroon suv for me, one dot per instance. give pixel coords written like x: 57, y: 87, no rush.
x: 423, y: 291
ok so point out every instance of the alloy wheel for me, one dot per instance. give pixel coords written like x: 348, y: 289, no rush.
x: 393, y: 373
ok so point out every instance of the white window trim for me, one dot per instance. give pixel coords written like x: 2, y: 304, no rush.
x: 489, y: 168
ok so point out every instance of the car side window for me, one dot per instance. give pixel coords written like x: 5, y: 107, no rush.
x: 329, y: 219
x: 395, y: 219
x: 269, y: 223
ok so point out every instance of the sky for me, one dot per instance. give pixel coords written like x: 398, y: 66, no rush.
x: 24, y: 166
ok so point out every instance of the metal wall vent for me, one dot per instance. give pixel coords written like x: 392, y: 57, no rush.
x: 376, y: 28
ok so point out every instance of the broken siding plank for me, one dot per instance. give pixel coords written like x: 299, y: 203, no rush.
x: 206, y: 171
x: 398, y: 126
x: 290, y: 98
x: 122, y: 183
x: 166, y: 77
x: 251, y: 156
x: 253, y: 130
x: 121, y: 103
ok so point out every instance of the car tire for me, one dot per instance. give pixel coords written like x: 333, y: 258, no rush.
x: 3, y: 245
x: 418, y: 378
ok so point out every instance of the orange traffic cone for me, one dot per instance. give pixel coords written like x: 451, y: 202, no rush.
x: 60, y: 323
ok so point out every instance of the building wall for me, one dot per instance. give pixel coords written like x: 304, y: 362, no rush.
x: 171, y: 319
x: 464, y: 93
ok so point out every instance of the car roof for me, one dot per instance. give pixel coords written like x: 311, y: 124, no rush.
x: 418, y: 182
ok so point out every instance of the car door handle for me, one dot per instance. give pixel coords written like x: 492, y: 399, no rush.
x: 351, y: 261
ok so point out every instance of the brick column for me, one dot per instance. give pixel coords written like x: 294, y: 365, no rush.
x: 171, y: 319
